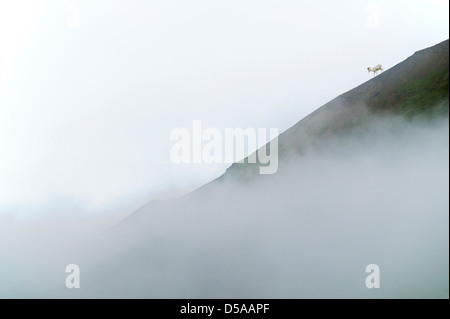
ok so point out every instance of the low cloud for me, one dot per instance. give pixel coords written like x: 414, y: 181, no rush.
x: 307, y: 231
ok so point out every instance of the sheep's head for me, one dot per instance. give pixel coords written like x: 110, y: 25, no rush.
x: 368, y: 69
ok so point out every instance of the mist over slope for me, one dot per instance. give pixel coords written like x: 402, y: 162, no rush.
x: 363, y: 180
x: 307, y: 232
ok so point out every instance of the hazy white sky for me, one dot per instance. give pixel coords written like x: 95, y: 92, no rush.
x: 90, y: 90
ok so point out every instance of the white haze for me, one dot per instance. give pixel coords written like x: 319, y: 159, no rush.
x: 86, y: 112
x: 308, y: 231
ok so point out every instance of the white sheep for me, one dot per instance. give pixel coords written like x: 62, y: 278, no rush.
x: 375, y: 69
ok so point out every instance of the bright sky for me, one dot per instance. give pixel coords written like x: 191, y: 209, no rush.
x: 90, y: 90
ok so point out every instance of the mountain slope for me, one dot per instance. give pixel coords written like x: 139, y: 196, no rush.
x: 416, y: 87
x: 349, y: 192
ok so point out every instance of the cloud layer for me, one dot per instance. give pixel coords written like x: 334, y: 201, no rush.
x: 308, y: 231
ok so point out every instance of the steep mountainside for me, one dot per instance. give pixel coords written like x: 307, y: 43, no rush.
x: 310, y: 229
x: 416, y: 87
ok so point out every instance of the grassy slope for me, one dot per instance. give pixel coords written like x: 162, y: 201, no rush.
x: 420, y: 87
x: 416, y: 87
